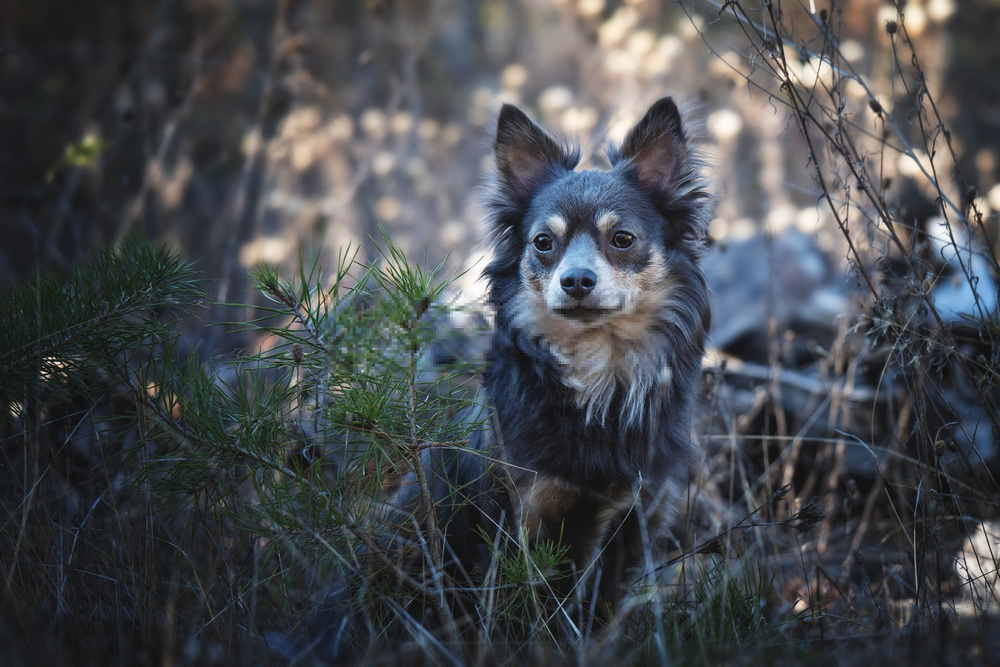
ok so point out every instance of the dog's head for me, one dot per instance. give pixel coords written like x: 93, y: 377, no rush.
x: 594, y: 248
x: 602, y: 265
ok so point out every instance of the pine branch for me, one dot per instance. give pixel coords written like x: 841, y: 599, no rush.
x: 58, y: 333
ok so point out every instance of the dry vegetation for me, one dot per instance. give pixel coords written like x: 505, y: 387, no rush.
x: 177, y: 490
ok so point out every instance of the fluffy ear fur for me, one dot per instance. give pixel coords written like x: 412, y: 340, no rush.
x: 526, y: 156
x: 656, y: 146
x: 656, y: 151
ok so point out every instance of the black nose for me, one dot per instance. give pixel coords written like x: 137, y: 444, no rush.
x: 578, y: 283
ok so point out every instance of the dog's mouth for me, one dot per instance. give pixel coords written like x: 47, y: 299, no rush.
x: 585, y: 314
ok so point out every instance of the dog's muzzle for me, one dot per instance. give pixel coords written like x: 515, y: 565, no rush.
x: 578, y: 283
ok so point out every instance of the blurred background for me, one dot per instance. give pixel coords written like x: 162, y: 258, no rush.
x: 246, y: 131
x: 250, y: 130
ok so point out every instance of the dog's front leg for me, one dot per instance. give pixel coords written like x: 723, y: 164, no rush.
x: 550, y: 508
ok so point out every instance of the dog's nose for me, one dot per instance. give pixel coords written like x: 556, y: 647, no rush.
x: 578, y: 283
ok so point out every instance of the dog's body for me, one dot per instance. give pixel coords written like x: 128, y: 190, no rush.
x: 601, y: 316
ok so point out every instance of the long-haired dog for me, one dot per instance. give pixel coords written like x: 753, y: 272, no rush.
x: 601, y: 313
x: 601, y: 318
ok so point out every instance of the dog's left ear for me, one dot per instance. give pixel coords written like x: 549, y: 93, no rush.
x: 656, y: 147
x: 527, y: 158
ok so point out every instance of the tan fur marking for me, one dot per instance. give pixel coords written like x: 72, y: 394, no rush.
x: 548, y: 502
x: 528, y: 276
x: 557, y: 225
x: 649, y: 279
x: 541, y: 502
x: 544, y: 502
x: 606, y: 221
x: 614, y: 350
x: 617, y: 503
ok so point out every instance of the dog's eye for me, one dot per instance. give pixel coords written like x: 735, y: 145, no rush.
x: 543, y: 242
x: 622, y: 239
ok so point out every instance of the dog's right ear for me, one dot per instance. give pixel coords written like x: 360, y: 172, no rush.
x: 656, y: 148
x: 527, y: 158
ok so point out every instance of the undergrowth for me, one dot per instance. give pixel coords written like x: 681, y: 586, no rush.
x: 909, y: 383
x: 206, y: 512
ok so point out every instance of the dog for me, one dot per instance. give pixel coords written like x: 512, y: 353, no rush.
x: 601, y: 314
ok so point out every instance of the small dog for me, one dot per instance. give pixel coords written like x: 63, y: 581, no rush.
x: 601, y: 313
x: 601, y: 317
